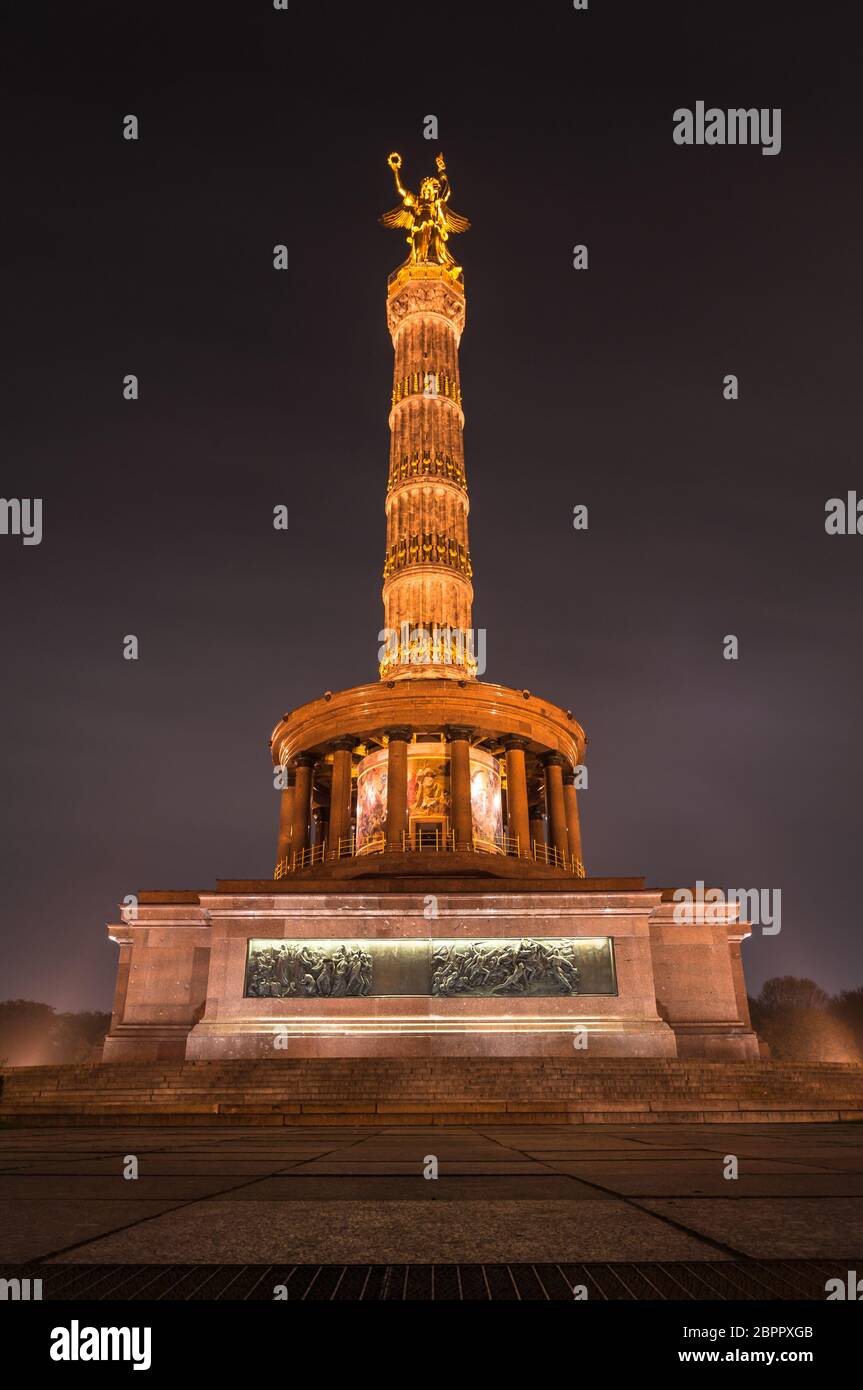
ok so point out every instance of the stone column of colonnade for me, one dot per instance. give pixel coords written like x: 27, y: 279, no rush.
x: 517, y: 807
x: 299, y: 818
x: 340, y: 795
x: 397, y: 786
x: 554, y: 764
x: 302, y: 803
x: 573, y: 823
x: 427, y: 571
x: 526, y: 823
x: 459, y: 766
x: 286, y: 815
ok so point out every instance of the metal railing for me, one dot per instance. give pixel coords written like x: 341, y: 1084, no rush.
x: 430, y: 841
x: 301, y: 859
x: 427, y: 840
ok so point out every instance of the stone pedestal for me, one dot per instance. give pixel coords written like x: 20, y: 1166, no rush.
x: 186, y: 990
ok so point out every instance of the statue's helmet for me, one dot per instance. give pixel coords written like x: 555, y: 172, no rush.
x: 430, y: 188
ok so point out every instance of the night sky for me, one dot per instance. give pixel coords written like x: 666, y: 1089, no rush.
x: 260, y: 388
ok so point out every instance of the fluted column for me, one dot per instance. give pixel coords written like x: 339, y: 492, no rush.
x: 518, y: 813
x: 340, y: 794
x: 573, y: 825
x: 459, y: 768
x: 427, y: 590
x: 554, y: 765
x: 304, y: 767
x: 397, y: 786
x: 286, y: 812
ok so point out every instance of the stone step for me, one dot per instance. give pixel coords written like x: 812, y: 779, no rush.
x: 501, y: 1088
x: 443, y: 1067
x: 448, y: 1091
x: 367, y: 1091
x: 442, y: 1064
x: 338, y: 1116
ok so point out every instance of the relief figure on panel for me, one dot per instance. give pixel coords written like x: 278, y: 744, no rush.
x: 504, y: 968
x: 307, y: 970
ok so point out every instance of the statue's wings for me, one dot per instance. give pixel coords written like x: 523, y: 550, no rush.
x: 454, y: 221
x: 397, y: 217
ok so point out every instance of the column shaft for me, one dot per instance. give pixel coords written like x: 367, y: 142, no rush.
x: 573, y: 824
x: 397, y: 787
x: 518, y: 814
x: 459, y: 767
x: 340, y: 797
x: 302, y: 804
x: 554, y: 802
x: 286, y: 813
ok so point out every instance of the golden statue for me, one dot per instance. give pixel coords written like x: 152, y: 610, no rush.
x: 427, y: 217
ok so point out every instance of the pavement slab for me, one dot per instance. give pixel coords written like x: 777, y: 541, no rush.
x: 397, y: 1232
x: 503, y: 1193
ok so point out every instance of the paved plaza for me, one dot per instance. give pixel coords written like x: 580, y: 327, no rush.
x: 349, y: 1196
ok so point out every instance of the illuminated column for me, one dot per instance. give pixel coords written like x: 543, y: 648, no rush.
x: 427, y: 572
x: 518, y: 814
x: 304, y: 767
x: 397, y: 786
x: 554, y: 764
x: 286, y: 812
x: 340, y: 794
x: 573, y: 825
x: 459, y: 768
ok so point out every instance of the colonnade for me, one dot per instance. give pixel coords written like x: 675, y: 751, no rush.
x: 300, y: 820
